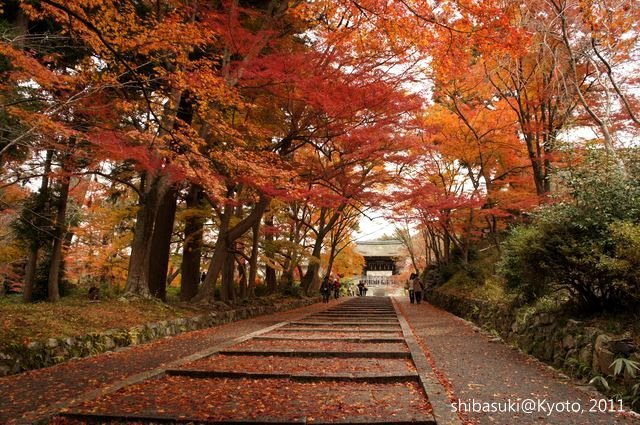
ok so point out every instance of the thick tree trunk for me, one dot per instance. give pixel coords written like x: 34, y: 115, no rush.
x: 160, y: 251
x: 192, y: 249
x: 225, y: 236
x: 270, y: 279
x: 34, y: 246
x: 138, y: 273
x: 59, y: 230
x: 311, y: 280
x: 157, y: 184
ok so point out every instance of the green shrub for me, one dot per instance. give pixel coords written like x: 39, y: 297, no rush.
x: 588, y: 247
x: 295, y: 291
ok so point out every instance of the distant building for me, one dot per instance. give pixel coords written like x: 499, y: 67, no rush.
x: 381, y: 257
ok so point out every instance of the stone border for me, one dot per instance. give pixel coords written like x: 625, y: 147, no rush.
x: 436, y: 394
x: 568, y: 345
x: 40, y: 354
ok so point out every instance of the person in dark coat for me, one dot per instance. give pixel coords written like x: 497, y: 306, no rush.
x: 418, y: 287
x: 336, y: 288
x: 325, y: 289
x: 409, y: 287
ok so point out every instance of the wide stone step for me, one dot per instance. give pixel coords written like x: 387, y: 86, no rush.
x: 344, y: 323
x: 337, y: 328
x: 183, y: 399
x: 381, y: 377
x: 310, y: 353
x: 328, y: 339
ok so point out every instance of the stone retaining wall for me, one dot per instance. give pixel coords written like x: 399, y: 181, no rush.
x: 20, y: 358
x: 581, y: 350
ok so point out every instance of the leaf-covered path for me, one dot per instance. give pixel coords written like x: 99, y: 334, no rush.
x: 354, y: 362
x: 32, y: 395
x: 366, y: 360
x: 476, y: 367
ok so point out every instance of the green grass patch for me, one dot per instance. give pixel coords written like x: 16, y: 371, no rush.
x: 75, y: 316
x: 477, y: 279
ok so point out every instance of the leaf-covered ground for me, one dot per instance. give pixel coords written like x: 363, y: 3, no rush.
x: 326, y: 346
x: 34, y: 392
x: 264, y: 399
x: 300, y: 364
x: 183, y: 397
x: 75, y: 316
x: 471, y: 367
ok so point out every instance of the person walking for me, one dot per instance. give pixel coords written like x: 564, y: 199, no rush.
x: 409, y: 287
x: 417, y: 288
x: 336, y: 288
x: 325, y: 289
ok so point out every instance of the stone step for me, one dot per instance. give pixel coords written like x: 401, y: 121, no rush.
x: 244, y: 400
x: 337, y: 329
x: 344, y: 323
x: 328, y: 338
x: 337, y: 354
x: 299, y: 377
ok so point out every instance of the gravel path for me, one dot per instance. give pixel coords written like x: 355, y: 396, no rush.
x: 474, y: 368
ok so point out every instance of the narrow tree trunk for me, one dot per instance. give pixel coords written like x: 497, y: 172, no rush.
x: 332, y: 257
x: 227, y: 292
x: 270, y: 273
x: 30, y: 274
x: 242, y: 282
x: 253, y: 263
x: 55, y: 266
x: 192, y: 249
x: 160, y: 251
x: 208, y: 288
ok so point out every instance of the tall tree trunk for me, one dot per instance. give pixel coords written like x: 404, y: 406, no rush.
x: 157, y: 184
x: 30, y: 274
x: 253, y: 262
x: 34, y: 246
x: 192, y: 248
x: 160, y: 251
x: 270, y: 272
x: 227, y: 288
x: 59, y: 229
x: 242, y: 283
x: 332, y: 257
x: 138, y: 273
x: 311, y: 281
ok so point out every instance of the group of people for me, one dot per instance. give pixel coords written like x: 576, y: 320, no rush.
x: 327, y: 287
x: 415, y: 287
x: 362, y: 288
